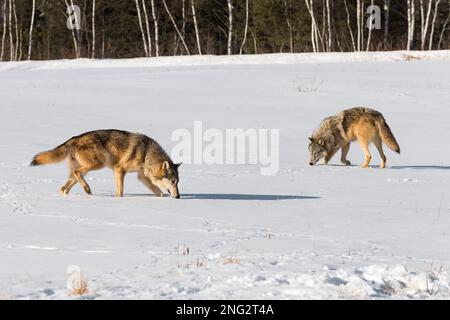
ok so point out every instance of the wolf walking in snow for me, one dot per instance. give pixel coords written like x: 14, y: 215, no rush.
x: 121, y: 151
x: 362, y: 124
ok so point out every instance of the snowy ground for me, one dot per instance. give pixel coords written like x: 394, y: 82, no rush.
x: 308, y: 232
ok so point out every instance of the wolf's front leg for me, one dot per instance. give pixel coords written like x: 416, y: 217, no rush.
x: 345, y: 149
x: 148, y: 183
x: 119, y: 174
x: 329, y: 156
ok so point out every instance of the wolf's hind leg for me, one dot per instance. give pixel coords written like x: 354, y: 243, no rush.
x: 365, y: 147
x: 147, y: 182
x: 80, y: 172
x: 344, y: 153
x: 378, y: 144
x: 65, y: 189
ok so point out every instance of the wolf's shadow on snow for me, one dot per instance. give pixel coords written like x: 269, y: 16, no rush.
x: 230, y: 196
x: 422, y: 167
x: 239, y: 196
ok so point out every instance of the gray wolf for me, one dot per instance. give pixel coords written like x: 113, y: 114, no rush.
x: 120, y: 151
x: 337, y: 132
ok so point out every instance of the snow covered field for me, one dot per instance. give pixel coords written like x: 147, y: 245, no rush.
x: 305, y: 233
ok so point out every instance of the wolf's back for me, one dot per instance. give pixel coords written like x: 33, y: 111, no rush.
x: 52, y: 156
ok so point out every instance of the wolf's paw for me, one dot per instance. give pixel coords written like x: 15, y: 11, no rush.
x: 347, y: 163
x: 63, y: 192
x: 365, y: 166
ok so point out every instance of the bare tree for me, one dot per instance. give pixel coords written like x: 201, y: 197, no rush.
x: 314, y: 29
x: 424, y: 22
x: 11, y: 43
x: 74, y: 38
x: 369, y: 37
x: 93, y: 29
x: 4, y: 30
x: 387, y: 4
x: 77, y: 32
x: 16, y: 28
x: 349, y: 26
x: 329, y: 25
x: 155, y: 23
x: 149, y: 37
x: 433, y: 23
x: 140, y: 26
x: 197, y: 35
x: 358, y: 19
x: 411, y: 23
x: 30, y: 37
x: 230, y: 25
x: 288, y: 22
x: 176, y: 27
x: 444, y: 28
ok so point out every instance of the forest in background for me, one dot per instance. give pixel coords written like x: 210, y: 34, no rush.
x: 47, y: 29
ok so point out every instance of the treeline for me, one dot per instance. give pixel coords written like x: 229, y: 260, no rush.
x: 41, y: 29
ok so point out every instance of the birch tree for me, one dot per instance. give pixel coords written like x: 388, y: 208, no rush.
x: 74, y: 37
x: 93, y: 29
x: 349, y: 26
x: 358, y: 20
x: 175, y: 26
x: 387, y: 4
x: 4, y: 30
x: 411, y: 23
x: 369, y: 36
x: 144, y: 41
x: 155, y: 23
x: 329, y: 25
x: 149, y: 38
x: 433, y: 23
x: 424, y: 22
x: 444, y: 28
x: 18, y: 44
x: 230, y: 25
x: 11, y: 43
x: 246, y: 27
x: 288, y: 22
x: 197, y: 35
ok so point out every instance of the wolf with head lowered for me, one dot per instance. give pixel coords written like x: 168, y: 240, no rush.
x: 337, y: 132
x: 120, y: 151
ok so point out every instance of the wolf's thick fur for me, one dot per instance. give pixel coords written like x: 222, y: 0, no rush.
x: 121, y: 151
x: 362, y: 124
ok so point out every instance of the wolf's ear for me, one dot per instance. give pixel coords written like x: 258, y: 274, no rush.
x: 311, y: 139
x: 176, y: 165
x: 320, y: 142
x: 166, y: 165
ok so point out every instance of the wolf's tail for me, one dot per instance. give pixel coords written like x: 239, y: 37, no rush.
x: 52, y: 156
x: 386, y: 134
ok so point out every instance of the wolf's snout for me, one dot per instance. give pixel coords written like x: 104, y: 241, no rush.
x: 311, y: 164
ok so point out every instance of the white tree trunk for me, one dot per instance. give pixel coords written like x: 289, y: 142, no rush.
x: 176, y: 27
x: 444, y: 29
x: 155, y: 23
x: 369, y: 37
x: 93, y: 29
x: 433, y: 23
x: 16, y: 28
x: 358, y: 19
x: 349, y: 26
x: 74, y: 38
x: 387, y: 4
x: 11, y: 43
x: 149, y: 37
x: 329, y: 25
x: 230, y: 25
x: 288, y: 22
x: 30, y: 37
x: 246, y: 27
x: 77, y: 33
x: 197, y: 34
x: 142, y: 29
x: 424, y: 23
x: 411, y: 23
x: 4, y: 30
x: 314, y: 27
